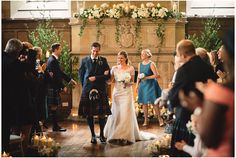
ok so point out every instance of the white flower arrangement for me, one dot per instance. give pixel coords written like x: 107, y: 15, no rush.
x: 46, y: 146
x: 165, y: 114
x: 125, y: 10
x: 154, y: 147
x: 149, y: 11
x: 191, y: 125
x: 50, y: 151
x: 159, y: 146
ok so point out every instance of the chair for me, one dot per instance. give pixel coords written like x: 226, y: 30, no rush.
x: 16, y: 144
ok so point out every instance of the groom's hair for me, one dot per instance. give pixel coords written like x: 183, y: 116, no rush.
x: 96, y: 45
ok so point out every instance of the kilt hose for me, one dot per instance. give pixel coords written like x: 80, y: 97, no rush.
x: 91, y: 108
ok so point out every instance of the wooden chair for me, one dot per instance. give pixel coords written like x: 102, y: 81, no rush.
x: 16, y: 144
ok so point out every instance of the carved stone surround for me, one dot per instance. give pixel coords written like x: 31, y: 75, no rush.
x: 162, y: 54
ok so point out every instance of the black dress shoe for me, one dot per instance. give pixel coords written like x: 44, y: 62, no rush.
x: 94, y: 140
x: 58, y: 129
x: 102, y: 139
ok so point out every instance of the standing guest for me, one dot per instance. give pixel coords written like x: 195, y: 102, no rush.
x: 219, y: 69
x: 55, y: 84
x: 10, y: 80
x: 216, y: 126
x: 194, y: 69
x: 93, y: 74
x: 203, y: 55
x: 41, y: 77
x: 147, y: 85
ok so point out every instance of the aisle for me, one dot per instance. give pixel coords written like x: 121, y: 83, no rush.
x: 75, y: 142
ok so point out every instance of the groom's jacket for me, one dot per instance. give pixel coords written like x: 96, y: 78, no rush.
x: 89, y: 68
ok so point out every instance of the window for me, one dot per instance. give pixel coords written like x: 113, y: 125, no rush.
x: 53, y: 9
x: 210, y: 8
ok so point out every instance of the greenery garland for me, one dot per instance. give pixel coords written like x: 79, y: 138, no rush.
x: 137, y: 35
x: 117, y: 33
x: 98, y: 25
x: 82, y: 27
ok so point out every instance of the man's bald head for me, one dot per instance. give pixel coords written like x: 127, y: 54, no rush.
x: 185, y: 47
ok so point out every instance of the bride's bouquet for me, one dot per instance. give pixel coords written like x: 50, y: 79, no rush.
x: 125, y: 78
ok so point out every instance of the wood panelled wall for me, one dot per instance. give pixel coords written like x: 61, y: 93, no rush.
x: 20, y: 29
x: 195, y: 25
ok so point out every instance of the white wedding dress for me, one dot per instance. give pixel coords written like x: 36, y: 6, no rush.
x: 122, y: 124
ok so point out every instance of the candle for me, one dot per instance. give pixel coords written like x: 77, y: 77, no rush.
x: 47, y: 54
x: 36, y: 140
x: 50, y: 140
x: 174, y: 7
x: 114, y: 6
x: 4, y: 154
x: 142, y: 5
x: 95, y: 6
x: 43, y: 140
x: 164, y: 156
x: 126, y: 9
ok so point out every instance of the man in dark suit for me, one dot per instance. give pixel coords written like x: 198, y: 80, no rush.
x: 55, y: 84
x: 93, y: 73
x: 193, y: 70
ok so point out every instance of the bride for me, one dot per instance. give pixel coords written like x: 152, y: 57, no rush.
x: 122, y: 124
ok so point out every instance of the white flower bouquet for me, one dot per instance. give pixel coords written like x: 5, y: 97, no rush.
x: 141, y: 76
x: 124, y: 77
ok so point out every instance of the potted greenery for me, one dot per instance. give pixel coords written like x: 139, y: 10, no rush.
x: 208, y: 39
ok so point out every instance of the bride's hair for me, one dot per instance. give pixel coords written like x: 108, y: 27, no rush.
x: 125, y: 54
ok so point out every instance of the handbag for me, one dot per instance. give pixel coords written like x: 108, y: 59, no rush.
x: 94, y: 95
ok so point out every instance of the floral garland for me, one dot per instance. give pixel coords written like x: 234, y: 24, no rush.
x: 150, y: 11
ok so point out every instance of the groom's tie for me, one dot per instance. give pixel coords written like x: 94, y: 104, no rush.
x: 94, y: 61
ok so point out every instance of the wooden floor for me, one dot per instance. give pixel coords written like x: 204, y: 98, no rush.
x: 75, y: 142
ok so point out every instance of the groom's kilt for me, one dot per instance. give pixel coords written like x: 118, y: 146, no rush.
x: 53, y: 97
x: 88, y: 107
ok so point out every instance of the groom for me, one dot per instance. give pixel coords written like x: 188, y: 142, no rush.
x: 93, y: 73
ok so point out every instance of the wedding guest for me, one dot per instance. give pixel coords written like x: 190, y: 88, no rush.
x: 122, y: 126
x: 213, y: 58
x: 194, y: 69
x: 11, y: 75
x: 219, y: 69
x: 218, y: 108
x: 147, y: 85
x: 199, y: 149
x: 203, y: 55
x: 93, y: 74
x: 216, y: 123
x: 55, y: 84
